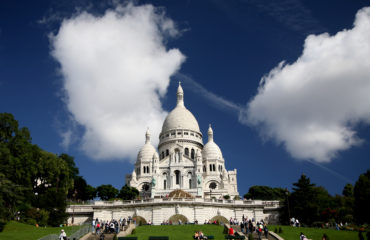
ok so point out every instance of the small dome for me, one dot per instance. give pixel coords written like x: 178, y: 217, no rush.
x: 211, y: 149
x: 147, y: 151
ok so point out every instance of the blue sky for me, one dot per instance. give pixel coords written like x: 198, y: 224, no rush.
x: 309, y: 116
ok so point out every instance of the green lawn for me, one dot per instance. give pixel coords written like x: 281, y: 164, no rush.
x: 179, y: 232
x: 19, y: 231
x: 292, y: 233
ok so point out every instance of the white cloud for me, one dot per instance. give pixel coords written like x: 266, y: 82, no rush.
x: 115, y: 69
x: 313, y: 105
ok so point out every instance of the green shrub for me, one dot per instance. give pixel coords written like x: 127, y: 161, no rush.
x: 219, y: 219
x: 175, y: 218
x: 133, y: 231
x: 115, y: 237
x: 280, y: 230
x: 139, y: 220
x: 275, y: 230
x: 318, y: 224
x: 325, y: 237
x: 360, y: 236
x: 237, y: 198
x: 227, y: 197
x: 31, y: 221
x: 367, y: 235
x: 2, y: 225
x: 250, y: 236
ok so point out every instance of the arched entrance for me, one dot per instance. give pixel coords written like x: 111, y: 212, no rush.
x: 139, y: 220
x: 219, y: 219
x: 174, y: 219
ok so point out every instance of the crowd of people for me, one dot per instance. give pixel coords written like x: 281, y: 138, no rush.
x: 112, y: 226
x: 249, y: 226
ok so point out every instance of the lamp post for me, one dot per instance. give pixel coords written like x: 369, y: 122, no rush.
x: 287, y: 199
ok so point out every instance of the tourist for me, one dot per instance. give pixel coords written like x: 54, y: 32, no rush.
x: 265, y: 231
x: 297, y: 223
x: 196, y: 235
x: 242, y: 225
x: 93, y: 226
x: 201, y: 235
x: 231, y: 231
x: 302, y: 237
x: 63, y: 235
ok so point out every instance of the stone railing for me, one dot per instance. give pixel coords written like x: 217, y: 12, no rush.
x: 271, y: 204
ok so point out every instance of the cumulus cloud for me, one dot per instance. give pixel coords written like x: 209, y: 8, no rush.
x: 313, y: 105
x: 115, y: 70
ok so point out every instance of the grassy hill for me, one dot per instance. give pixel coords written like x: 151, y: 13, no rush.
x: 179, y: 232
x: 19, y: 231
x: 292, y: 233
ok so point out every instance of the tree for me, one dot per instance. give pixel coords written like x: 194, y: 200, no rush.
x: 31, y: 178
x: 81, y: 191
x: 265, y: 193
x: 106, y: 192
x: 128, y: 193
x: 361, y: 198
x: 302, y: 200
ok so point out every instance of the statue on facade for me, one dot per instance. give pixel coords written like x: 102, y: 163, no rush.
x: 199, y: 179
x: 153, y: 182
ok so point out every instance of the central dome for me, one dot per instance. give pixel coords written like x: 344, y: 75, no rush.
x: 180, y: 117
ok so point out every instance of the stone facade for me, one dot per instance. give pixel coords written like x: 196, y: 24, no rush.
x: 182, y: 161
x: 158, y: 210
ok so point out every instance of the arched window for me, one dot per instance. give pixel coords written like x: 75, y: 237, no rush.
x: 145, y: 187
x: 177, y: 173
x: 167, y: 152
x: 212, y: 185
x: 210, y: 167
x: 192, y: 153
x: 187, y: 151
x: 189, y: 183
x: 164, y: 175
x: 177, y: 155
x: 214, y: 167
x: 147, y: 170
x: 144, y: 169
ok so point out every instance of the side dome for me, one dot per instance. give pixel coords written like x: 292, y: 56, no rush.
x: 180, y: 117
x: 147, y: 151
x: 211, y: 149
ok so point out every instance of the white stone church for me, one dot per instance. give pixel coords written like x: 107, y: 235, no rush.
x: 182, y: 161
x: 183, y: 178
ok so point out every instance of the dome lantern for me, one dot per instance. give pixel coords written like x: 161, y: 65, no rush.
x: 180, y: 96
x: 147, y: 136
x: 210, y: 134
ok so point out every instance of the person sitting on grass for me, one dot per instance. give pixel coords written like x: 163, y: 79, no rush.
x: 302, y: 237
x: 201, y: 235
x: 231, y: 231
x: 63, y: 235
x: 196, y: 235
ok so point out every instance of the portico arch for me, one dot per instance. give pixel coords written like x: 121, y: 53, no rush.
x: 174, y: 219
x: 139, y: 220
x: 219, y: 219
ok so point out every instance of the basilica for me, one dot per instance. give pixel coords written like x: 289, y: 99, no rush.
x: 182, y: 161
